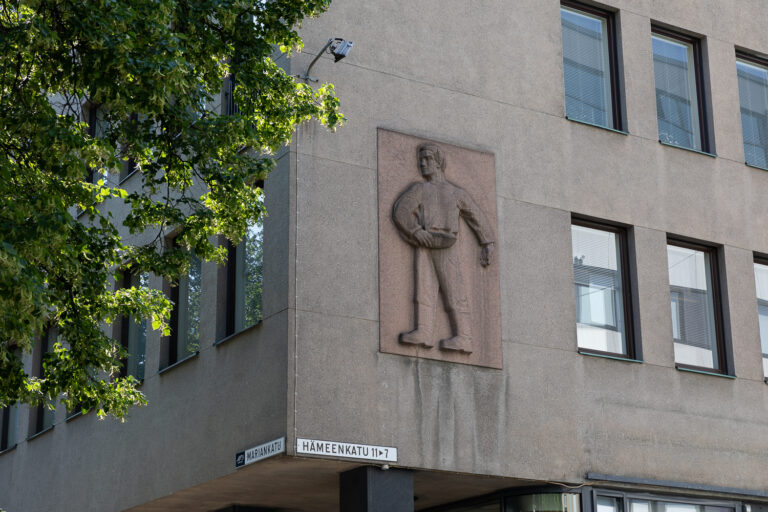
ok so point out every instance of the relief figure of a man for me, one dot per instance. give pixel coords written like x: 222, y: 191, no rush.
x: 427, y: 215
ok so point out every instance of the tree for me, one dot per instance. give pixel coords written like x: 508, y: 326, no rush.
x: 148, y: 73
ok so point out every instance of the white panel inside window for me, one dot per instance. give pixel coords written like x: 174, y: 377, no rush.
x: 692, y: 307
x: 598, y: 289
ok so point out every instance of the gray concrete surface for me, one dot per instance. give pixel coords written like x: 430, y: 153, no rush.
x: 488, y: 76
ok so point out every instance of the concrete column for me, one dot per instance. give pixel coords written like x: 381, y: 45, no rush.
x: 370, y: 489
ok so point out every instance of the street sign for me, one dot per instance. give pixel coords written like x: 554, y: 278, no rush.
x: 346, y: 450
x: 260, y: 452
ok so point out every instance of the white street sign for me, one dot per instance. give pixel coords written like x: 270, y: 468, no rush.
x: 260, y: 452
x: 346, y: 450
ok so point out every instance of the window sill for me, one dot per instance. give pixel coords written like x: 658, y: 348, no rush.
x: 754, y: 166
x: 179, y: 362
x: 606, y: 128
x: 608, y: 356
x: 703, y: 372
x: 38, y: 434
x: 711, y: 155
x: 9, y: 449
x: 73, y: 416
x: 127, y: 176
x: 236, y: 334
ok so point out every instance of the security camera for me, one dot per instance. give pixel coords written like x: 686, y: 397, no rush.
x: 337, y: 46
x: 340, y: 48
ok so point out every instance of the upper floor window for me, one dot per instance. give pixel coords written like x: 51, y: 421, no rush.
x: 601, y: 288
x: 132, y: 332
x: 8, y: 418
x: 753, y: 99
x: 697, y: 328
x: 589, y: 66
x: 185, y: 316
x: 244, y: 281
x: 679, y: 97
x: 761, y: 285
x: 42, y: 417
x: 97, y: 127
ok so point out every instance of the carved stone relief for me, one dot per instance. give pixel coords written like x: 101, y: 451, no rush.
x: 438, y: 279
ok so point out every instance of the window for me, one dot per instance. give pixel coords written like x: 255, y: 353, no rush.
x: 601, y: 288
x: 619, y: 502
x: 131, y: 333
x: 42, y: 417
x: 697, y: 328
x: 185, y: 317
x: 8, y: 418
x: 244, y: 281
x: 761, y: 285
x: 129, y: 166
x: 753, y: 99
x: 589, y: 65
x: 679, y: 96
x: 230, y: 107
x: 97, y: 127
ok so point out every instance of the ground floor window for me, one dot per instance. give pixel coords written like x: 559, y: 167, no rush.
x: 586, y: 499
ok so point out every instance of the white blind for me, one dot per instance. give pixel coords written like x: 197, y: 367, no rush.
x: 753, y: 97
x: 586, y: 67
x: 676, y: 101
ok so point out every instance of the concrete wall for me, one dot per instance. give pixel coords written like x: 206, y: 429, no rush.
x: 488, y: 75
x: 485, y: 75
x: 200, y: 413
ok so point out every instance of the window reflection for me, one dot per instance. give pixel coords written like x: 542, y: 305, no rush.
x: 598, y: 288
x: 692, y: 307
x: 676, y: 96
x: 586, y: 67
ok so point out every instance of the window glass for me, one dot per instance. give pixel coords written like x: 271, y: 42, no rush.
x: 137, y: 335
x: 753, y: 98
x: 598, y: 288
x: 248, y: 278
x: 608, y: 504
x: 8, y: 419
x: 586, y: 67
x: 761, y: 284
x: 43, y: 416
x: 692, y: 307
x: 554, y: 502
x: 97, y: 128
x: 185, y: 335
x: 642, y: 505
x: 676, y: 97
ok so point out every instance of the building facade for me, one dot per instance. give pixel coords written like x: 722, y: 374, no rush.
x: 570, y: 321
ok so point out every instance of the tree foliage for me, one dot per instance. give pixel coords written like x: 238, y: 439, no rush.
x: 153, y: 70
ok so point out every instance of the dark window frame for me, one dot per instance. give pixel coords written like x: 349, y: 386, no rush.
x: 173, y: 337
x: 707, y: 145
x: 759, y: 61
x: 617, y: 107
x: 5, y: 428
x: 226, y: 293
x: 625, y: 496
x: 170, y: 344
x: 121, y: 328
x: 723, y: 351
x: 631, y: 340
x: 44, y: 346
x: 761, y: 259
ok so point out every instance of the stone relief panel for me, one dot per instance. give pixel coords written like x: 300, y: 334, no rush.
x: 438, y: 270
